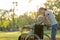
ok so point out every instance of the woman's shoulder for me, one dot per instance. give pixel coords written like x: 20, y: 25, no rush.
x: 48, y: 12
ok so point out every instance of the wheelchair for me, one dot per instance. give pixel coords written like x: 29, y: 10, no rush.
x: 32, y: 32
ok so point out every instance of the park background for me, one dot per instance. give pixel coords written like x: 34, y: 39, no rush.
x: 16, y: 13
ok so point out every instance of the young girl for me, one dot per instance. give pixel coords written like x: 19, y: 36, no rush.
x: 50, y: 16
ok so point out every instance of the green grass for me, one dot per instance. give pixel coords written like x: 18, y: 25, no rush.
x: 15, y: 35
x: 9, y: 35
x: 49, y: 33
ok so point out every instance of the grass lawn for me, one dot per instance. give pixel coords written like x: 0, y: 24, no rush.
x: 49, y: 32
x: 15, y: 35
x: 9, y: 35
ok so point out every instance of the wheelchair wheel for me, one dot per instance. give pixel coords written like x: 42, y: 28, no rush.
x: 22, y: 37
x: 46, y: 37
x: 19, y: 38
x: 32, y: 37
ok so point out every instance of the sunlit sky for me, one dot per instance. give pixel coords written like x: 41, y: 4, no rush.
x: 23, y: 5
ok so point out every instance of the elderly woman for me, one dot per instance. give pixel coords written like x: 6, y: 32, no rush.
x: 39, y: 27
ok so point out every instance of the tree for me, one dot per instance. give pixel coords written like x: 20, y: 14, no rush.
x: 24, y: 20
x: 2, y: 17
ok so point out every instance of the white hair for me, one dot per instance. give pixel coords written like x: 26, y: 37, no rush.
x: 40, y: 17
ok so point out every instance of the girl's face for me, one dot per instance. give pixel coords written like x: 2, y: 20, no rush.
x: 41, y: 10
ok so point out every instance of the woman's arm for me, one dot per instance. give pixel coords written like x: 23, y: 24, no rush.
x: 44, y: 18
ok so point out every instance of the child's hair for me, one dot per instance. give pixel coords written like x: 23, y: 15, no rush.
x: 42, y: 8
